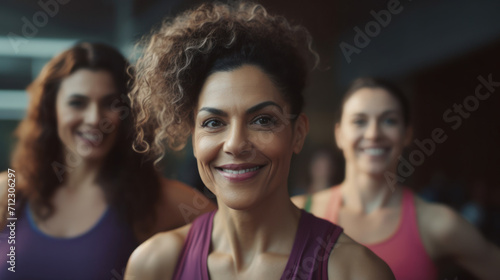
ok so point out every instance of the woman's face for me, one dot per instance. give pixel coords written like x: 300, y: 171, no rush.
x: 372, y: 131
x: 243, y: 137
x: 86, y: 122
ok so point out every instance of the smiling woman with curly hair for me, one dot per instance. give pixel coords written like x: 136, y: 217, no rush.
x: 232, y: 77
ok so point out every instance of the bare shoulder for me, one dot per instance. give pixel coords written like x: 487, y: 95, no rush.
x: 157, y: 257
x: 351, y: 260
x: 437, y: 220
x: 180, y: 204
x: 299, y: 200
x: 444, y: 229
x: 451, y: 236
x: 323, y: 196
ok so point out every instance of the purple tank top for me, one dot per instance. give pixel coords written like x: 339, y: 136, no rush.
x: 314, y: 241
x: 100, y: 253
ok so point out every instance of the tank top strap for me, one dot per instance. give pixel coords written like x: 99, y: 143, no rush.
x: 192, y: 263
x: 404, y: 251
x: 409, y: 214
x: 314, y: 241
x: 334, y: 204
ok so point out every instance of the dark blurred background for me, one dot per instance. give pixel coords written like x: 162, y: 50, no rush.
x: 437, y: 51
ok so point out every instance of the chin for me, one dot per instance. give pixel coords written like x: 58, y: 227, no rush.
x: 375, y: 170
x: 237, y: 201
x: 95, y: 154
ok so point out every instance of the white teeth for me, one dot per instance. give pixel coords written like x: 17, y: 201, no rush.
x: 241, y: 171
x: 91, y: 137
x: 374, y: 151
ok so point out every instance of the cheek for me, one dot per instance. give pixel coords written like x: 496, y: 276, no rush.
x: 205, y: 148
x: 275, y: 146
x: 350, y: 137
x: 65, y: 119
x: 110, y: 123
x: 396, y: 134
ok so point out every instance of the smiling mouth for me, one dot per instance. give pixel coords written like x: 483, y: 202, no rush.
x: 375, y: 151
x: 239, y: 173
x: 90, y: 138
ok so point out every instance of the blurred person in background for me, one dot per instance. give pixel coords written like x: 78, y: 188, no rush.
x: 232, y: 76
x: 409, y: 234
x: 322, y: 170
x: 84, y: 198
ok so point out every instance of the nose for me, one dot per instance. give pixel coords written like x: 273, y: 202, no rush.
x: 92, y: 115
x: 237, y: 142
x: 372, y: 132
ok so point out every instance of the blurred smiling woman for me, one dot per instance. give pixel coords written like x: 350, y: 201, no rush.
x: 232, y: 76
x: 84, y: 198
x: 372, y: 129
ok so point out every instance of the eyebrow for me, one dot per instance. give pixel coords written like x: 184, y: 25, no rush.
x: 262, y: 105
x: 385, y: 113
x: 77, y: 95
x: 251, y: 110
x: 214, y: 111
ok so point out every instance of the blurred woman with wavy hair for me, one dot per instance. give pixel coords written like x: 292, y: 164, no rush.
x: 84, y: 197
x: 232, y: 76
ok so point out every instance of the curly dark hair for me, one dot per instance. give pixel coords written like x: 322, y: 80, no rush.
x: 130, y: 182
x: 180, y: 54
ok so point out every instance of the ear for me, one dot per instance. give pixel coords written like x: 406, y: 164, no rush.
x: 338, y: 135
x: 408, y: 135
x: 301, y: 130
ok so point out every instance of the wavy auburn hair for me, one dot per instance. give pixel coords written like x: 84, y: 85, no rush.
x: 130, y: 183
x: 180, y: 54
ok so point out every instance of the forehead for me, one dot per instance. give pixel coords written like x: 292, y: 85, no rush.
x: 244, y: 86
x: 371, y: 101
x: 88, y: 82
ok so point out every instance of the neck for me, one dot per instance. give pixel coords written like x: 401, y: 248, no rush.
x: 365, y: 192
x: 269, y: 226
x: 80, y: 175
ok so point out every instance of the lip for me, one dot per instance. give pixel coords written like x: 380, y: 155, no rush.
x: 246, y: 171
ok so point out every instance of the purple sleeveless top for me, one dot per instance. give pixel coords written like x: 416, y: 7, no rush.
x: 100, y: 253
x: 308, y: 260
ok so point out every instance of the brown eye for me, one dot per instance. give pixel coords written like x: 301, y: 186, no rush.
x: 359, y: 122
x: 212, y: 123
x: 265, y: 121
x: 391, y: 121
x: 76, y: 103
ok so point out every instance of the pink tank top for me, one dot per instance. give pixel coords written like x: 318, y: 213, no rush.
x: 314, y: 241
x: 403, y: 251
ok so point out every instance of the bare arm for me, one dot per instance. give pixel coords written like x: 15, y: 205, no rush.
x: 454, y: 237
x: 156, y: 258
x: 299, y: 200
